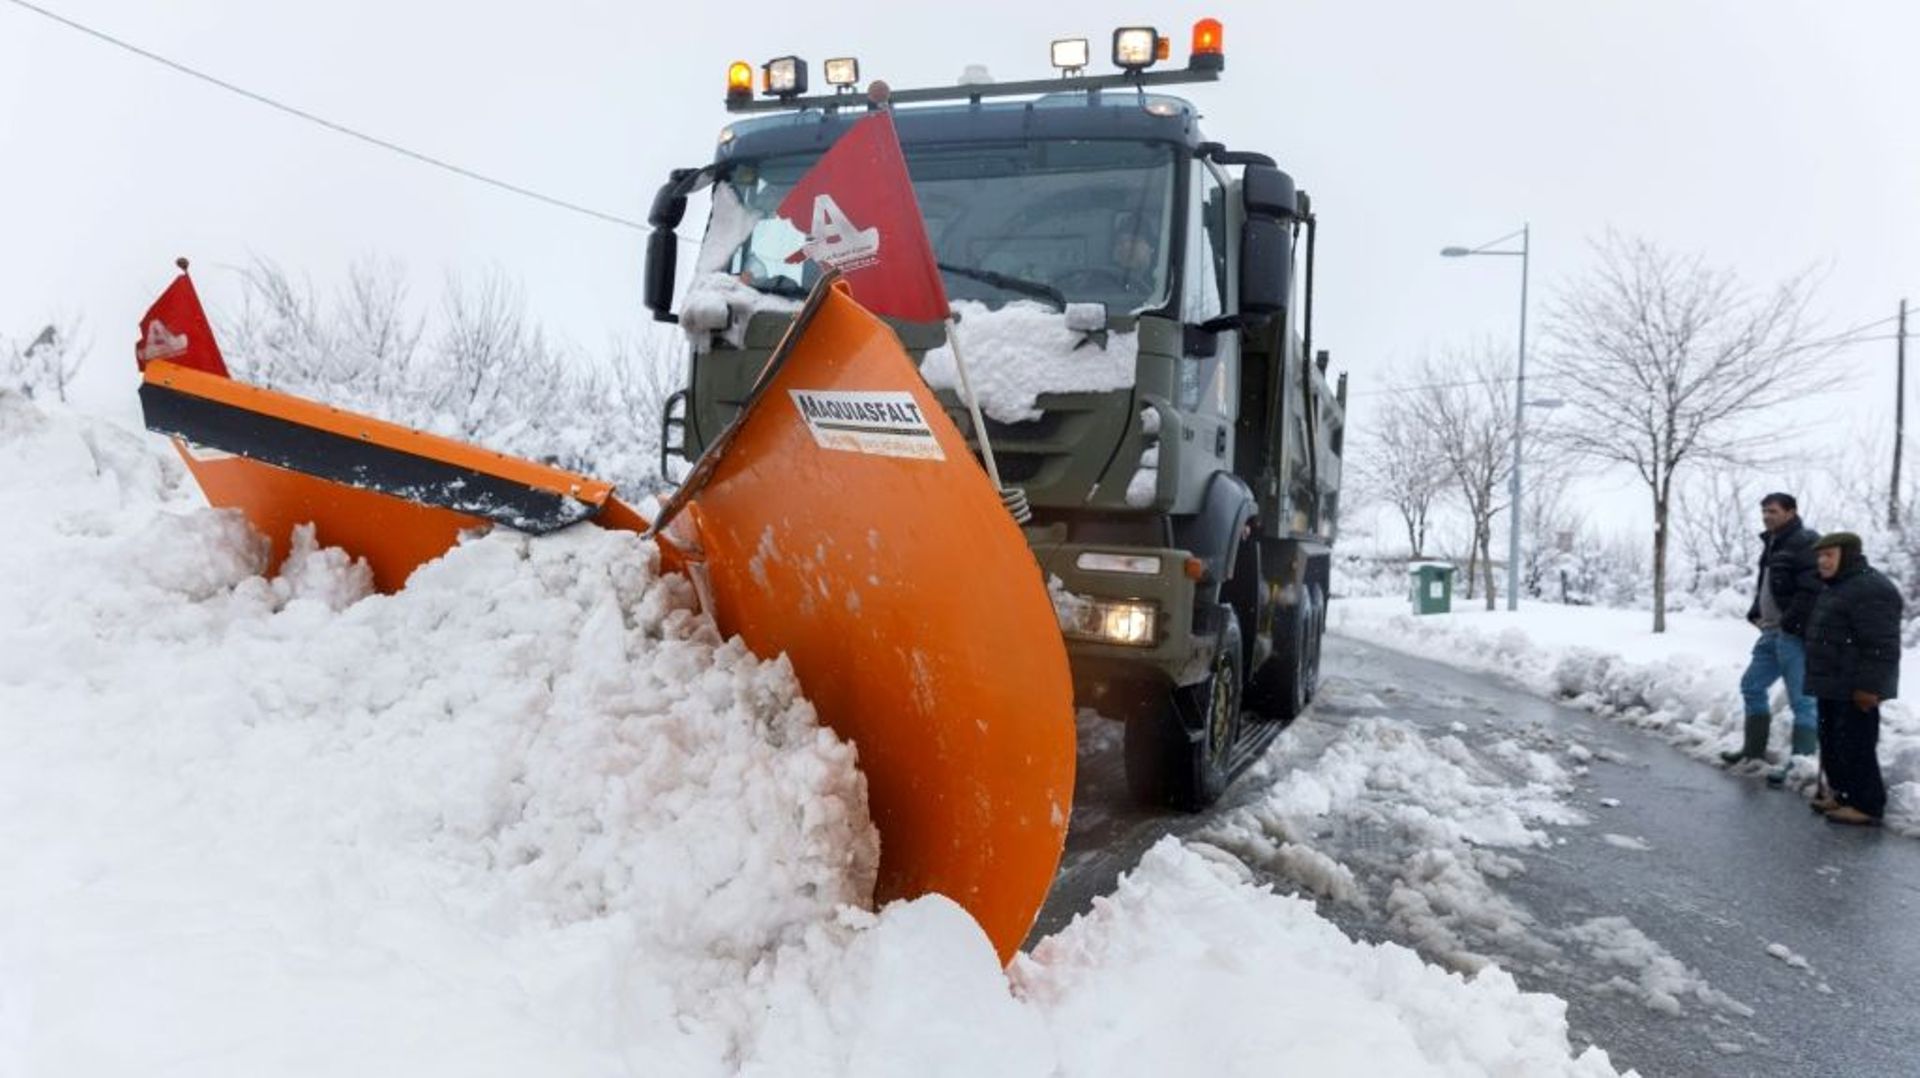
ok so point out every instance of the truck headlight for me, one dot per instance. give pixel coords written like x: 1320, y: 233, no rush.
x: 1127, y: 623
x: 1113, y: 621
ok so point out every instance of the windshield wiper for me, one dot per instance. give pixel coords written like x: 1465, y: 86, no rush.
x: 1011, y: 284
x: 779, y: 286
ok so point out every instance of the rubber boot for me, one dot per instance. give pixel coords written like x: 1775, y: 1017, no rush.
x: 1755, y: 747
x: 1806, y: 742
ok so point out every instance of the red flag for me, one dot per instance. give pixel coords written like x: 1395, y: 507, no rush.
x: 857, y: 209
x: 175, y: 329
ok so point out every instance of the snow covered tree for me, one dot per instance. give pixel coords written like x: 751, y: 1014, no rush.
x: 44, y: 366
x: 479, y: 369
x: 1664, y: 359
x: 1549, y: 524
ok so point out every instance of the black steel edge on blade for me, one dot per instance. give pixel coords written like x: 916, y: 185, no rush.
x: 709, y: 461
x: 356, y: 463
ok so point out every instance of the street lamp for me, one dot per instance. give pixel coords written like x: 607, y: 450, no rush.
x: 1519, y: 400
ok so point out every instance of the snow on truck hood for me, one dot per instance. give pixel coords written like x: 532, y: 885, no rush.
x: 1020, y: 351
x: 533, y: 816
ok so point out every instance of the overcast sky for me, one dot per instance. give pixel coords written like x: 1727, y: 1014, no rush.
x: 1769, y: 135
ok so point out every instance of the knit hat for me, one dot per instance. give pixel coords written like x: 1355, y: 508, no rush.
x: 1843, y: 540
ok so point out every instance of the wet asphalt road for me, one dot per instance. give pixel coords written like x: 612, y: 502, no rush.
x: 1729, y: 867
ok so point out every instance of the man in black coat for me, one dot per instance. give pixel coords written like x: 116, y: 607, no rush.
x: 1853, y: 663
x: 1783, y: 597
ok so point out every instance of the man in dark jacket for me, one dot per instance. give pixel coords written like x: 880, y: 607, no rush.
x: 1853, y: 663
x: 1783, y: 597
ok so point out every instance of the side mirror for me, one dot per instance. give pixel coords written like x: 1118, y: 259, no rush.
x: 1266, y: 266
x: 669, y: 205
x: 663, y: 253
x: 1268, y: 192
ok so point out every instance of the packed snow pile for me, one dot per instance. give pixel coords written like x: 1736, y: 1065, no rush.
x: 1682, y: 685
x: 532, y: 809
x: 532, y: 815
x: 1019, y: 351
x: 1186, y: 944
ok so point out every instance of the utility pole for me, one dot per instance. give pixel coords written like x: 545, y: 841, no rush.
x: 1519, y: 404
x: 1899, y: 416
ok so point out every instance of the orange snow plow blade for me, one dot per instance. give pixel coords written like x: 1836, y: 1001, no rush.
x: 841, y: 520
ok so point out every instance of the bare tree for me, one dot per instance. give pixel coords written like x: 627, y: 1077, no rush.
x: 1717, y: 522
x: 1468, y: 406
x: 1663, y: 359
x: 1402, y: 465
x: 1550, y: 520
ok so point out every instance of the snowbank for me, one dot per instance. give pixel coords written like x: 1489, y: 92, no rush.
x: 1682, y: 685
x: 533, y: 815
x: 527, y: 816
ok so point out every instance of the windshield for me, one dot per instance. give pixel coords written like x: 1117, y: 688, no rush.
x: 1061, y: 220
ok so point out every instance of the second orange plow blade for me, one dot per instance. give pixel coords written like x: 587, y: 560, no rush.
x: 843, y: 521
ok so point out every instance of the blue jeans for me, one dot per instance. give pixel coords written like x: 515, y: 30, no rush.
x: 1778, y: 655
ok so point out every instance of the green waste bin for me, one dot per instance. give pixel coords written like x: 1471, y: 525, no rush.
x: 1432, y: 587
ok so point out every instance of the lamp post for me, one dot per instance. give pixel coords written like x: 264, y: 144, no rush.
x: 1519, y: 399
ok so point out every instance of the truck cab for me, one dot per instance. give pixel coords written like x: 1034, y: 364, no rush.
x: 1135, y: 305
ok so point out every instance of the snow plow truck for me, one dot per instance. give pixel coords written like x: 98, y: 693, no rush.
x: 1125, y: 499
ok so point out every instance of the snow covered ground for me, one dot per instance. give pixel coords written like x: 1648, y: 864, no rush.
x: 1682, y: 685
x: 532, y: 816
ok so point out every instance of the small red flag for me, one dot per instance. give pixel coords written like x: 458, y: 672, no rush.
x: 175, y: 329
x: 857, y: 210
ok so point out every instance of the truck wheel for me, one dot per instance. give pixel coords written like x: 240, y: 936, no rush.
x: 1286, y: 683
x: 1318, y: 626
x: 1181, y: 753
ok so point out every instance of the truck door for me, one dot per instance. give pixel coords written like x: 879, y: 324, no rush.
x: 1208, y: 382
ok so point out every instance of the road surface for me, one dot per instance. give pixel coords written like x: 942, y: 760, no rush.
x: 1653, y: 918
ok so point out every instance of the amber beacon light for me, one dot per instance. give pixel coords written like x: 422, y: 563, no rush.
x: 1208, y: 45
x: 739, y: 80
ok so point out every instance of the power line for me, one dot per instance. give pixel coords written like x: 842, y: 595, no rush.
x: 1852, y: 335
x: 338, y: 128
x: 1846, y: 338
